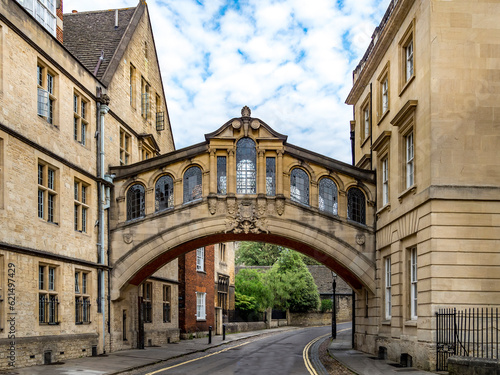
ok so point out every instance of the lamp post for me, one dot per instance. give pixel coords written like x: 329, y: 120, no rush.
x: 334, y: 306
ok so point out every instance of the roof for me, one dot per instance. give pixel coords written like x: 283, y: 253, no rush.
x: 88, y: 34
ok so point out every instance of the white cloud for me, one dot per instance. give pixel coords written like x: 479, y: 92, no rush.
x: 290, y: 61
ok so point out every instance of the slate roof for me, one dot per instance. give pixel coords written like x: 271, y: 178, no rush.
x: 87, y: 34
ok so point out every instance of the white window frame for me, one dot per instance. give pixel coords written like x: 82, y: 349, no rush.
x: 388, y: 285
x: 366, y: 121
x: 201, y: 306
x: 410, y: 156
x: 44, y: 12
x: 385, y: 181
x: 200, y: 259
x: 409, y: 60
x: 413, y: 281
x: 385, y: 95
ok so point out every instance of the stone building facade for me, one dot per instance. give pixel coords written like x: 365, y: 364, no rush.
x: 426, y: 100
x: 72, y: 104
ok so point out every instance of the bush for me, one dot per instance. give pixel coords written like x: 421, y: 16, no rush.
x: 326, y: 305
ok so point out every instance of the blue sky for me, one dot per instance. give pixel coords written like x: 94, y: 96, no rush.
x: 290, y: 61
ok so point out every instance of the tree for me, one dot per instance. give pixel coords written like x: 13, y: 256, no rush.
x: 263, y: 254
x: 291, y: 284
x: 251, y: 283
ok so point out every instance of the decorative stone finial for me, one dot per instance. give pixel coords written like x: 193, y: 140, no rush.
x: 245, y: 112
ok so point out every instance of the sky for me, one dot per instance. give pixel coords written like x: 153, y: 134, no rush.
x: 289, y: 61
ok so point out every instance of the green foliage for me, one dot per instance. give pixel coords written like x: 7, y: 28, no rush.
x: 257, y: 254
x: 291, y: 284
x: 244, y: 302
x: 326, y: 305
x: 251, y: 283
x: 264, y: 254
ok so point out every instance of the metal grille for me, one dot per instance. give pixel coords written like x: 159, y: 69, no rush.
x: 192, y: 184
x: 356, y: 205
x: 221, y: 175
x: 82, y: 310
x: 299, y: 186
x: 246, y: 157
x: 328, y: 196
x: 164, y: 193
x: 471, y: 333
x: 271, y: 177
x: 136, y: 205
x: 48, y: 309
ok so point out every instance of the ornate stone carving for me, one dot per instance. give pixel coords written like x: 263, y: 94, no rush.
x: 245, y: 112
x: 128, y: 238
x: 245, y: 217
x: 212, y: 205
x: 360, y: 239
x: 236, y: 124
x: 280, y: 206
x: 255, y: 124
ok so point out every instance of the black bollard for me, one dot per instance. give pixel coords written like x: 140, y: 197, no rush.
x: 209, y: 335
x: 223, y: 332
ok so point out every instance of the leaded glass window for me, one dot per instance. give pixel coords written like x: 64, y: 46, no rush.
x: 271, y: 177
x: 356, y: 205
x: 136, y: 205
x: 246, y: 161
x: 192, y: 184
x: 221, y: 175
x: 299, y: 186
x: 164, y: 193
x: 328, y: 196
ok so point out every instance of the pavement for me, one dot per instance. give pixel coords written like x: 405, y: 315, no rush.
x: 127, y: 360
x: 363, y: 363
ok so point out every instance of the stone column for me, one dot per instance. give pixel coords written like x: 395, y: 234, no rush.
x: 279, y: 173
x: 213, y: 172
x: 261, y: 173
x: 178, y: 194
x: 231, y: 172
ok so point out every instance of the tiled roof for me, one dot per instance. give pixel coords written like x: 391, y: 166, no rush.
x: 87, y: 34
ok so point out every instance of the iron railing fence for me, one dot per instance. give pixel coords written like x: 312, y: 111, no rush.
x: 245, y: 316
x: 473, y: 332
x: 278, y: 314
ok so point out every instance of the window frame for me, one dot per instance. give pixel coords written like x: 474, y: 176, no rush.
x: 145, y: 99
x: 80, y: 120
x: 131, y: 202
x: 164, y: 193
x: 384, y: 92
x: 81, y: 203
x: 201, y: 306
x: 192, y: 192
x: 352, y: 210
x: 125, y: 147
x: 82, y: 297
x: 385, y: 179
x: 47, y: 89
x: 388, y: 288
x: 48, y: 295
x: 48, y: 195
x: 147, y: 301
x: 167, y: 309
x: 413, y: 255
x: 365, y: 120
x: 407, y: 40
x: 409, y: 159
x: 296, y: 194
x: 200, y: 259
x: 246, y: 166
x: 132, y: 85
x: 322, y: 206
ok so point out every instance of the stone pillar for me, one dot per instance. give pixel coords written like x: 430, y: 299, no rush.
x: 261, y: 173
x: 213, y: 172
x: 231, y: 172
x: 279, y: 173
x: 314, y: 194
x: 178, y: 195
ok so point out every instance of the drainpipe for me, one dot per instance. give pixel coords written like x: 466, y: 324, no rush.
x: 103, y: 110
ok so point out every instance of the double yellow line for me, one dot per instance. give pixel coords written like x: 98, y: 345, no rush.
x: 305, y: 355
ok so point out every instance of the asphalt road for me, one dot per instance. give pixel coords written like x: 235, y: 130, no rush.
x: 277, y: 354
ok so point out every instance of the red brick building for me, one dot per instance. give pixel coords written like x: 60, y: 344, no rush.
x: 196, y: 291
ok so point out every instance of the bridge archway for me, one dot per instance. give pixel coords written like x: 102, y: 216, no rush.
x: 215, y: 210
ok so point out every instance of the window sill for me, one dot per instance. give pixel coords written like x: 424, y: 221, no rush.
x: 387, y: 208
x: 201, y: 271
x: 82, y: 323
x: 411, y: 323
x: 386, y: 322
x: 406, y: 85
x: 384, y: 115
x: 197, y: 200
x: 365, y: 140
x: 412, y: 189
x: 201, y: 320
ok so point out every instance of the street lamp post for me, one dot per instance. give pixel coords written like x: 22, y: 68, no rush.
x: 334, y: 306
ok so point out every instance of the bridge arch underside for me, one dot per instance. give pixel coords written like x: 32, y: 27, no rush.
x: 345, y: 248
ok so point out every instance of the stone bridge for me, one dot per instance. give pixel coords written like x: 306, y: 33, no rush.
x: 244, y: 183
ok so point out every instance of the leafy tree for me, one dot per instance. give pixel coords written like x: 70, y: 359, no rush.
x: 291, y: 284
x: 264, y: 254
x: 243, y: 302
x: 251, y: 283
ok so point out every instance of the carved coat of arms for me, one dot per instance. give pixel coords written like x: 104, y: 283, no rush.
x: 243, y: 217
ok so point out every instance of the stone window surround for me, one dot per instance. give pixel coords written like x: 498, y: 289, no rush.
x: 47, y: 94
x: 406, y: 39
x: 44, y: 191
x: 365, y: 127
x: 81, y: 113
x: 384, y: 76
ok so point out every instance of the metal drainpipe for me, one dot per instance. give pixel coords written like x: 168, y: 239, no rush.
x: 102, y: 188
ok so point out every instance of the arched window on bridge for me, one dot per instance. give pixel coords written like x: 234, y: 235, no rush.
x: 299, y: 186
x: 328, y: 196
x: 164, y: 193
x: 246, y: 161
x: 192, y: 184
x: 356, y: 205
x: 136, y: 202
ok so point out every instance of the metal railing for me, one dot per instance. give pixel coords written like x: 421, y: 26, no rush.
x: 245, y: 316
x: 472, y: 333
